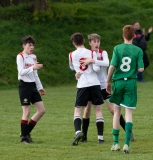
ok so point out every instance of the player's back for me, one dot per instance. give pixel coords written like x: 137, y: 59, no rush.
x: 89, y: 76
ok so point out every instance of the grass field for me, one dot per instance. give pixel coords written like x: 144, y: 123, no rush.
x: 54, y: 133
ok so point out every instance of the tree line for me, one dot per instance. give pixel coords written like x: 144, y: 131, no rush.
x: 37, y: 4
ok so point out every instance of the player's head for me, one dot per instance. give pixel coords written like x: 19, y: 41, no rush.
x: 94, y: 41
x: 136, y: 25
x: 77, y: 39
x: 28, y: 43
x: 128, y: 32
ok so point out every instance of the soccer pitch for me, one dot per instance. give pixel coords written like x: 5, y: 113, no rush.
x: 54, y: 133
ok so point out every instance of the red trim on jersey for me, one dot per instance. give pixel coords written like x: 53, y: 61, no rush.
x: 21, y: 53
x: 71, y: 56
x: 100, y: 51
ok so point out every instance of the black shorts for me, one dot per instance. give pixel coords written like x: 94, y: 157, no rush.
x: 83, y: 95
x: 104, y: 94
x: 28, y: 93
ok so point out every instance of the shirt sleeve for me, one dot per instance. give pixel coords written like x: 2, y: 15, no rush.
x: 114, y: 60
x: 37, y: 80
x: 70, y: 63
x: 20, y: 66
x: 104, y: 61
x: 140, y: 60
x: 95, y: 67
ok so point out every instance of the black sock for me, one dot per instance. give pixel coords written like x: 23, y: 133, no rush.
x: 85, y: 125
x: 122, y: 122
x: 24, y: 128
x: 77, y: 123
x: 31, y: 125
x: 100, y: 126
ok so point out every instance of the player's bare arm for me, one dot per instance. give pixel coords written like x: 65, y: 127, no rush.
x: 108, y: 83
x: 86, y: 61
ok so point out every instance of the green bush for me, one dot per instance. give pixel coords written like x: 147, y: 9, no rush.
x: 52, y: 30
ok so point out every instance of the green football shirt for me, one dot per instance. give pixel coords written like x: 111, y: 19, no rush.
x: 127, y: 59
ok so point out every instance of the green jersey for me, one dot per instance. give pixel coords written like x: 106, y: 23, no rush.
x: 127, y: 59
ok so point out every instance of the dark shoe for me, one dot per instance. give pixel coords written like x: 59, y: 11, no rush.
x: 77, y: 139
x: 25, y: 140
x: 83, y: 139
x: 100, y: 141
x: 29, y: 138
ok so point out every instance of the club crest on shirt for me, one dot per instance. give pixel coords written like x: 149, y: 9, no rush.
x: 25, y: 100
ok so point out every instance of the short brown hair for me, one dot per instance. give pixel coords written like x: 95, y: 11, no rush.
x: 128, y: 32
x: 93, y: 36
x: 77, y: 38
x: 28, y: 39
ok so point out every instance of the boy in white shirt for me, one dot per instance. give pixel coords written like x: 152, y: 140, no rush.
x: 29, y: 85
x: 88, y: 85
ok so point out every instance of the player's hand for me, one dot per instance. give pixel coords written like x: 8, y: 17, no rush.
x: 150, y: 30
x: 42, y: 92
x: 78, y: 75
x: 85, y: 61
x: 108, y: 87
x: 37, y: 66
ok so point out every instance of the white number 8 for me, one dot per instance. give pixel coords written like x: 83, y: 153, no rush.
x: 125, y: 62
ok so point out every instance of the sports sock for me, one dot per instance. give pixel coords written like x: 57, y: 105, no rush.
x: 77, y: 123
x: 24, y: 127
x: 31, y: 125
x: 122, y: 122
x: 100, y: 126
x: 115, y: 136
x: 128, y: 131
x: 85, y: 125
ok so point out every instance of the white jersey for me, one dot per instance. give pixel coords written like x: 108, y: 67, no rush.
x: 89, y: 76
x: 103, y: 62
x: 26, y: 73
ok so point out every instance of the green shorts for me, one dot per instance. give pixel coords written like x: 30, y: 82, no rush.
x: 124, y: 93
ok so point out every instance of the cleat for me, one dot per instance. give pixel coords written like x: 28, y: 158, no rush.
x: 29, y: 138
x: 77, y: 139
x: 25, y: 140
x: 83, y: 139
x: 126, y: 148
x: 115, y: 147
x: 100, y: 141
x: 132, y: 137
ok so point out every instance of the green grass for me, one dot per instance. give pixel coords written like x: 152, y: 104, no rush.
x: 54, y: 133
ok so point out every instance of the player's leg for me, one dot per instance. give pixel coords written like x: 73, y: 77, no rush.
x: 81, y: 102
x: 128, y: 128
x: 25, y: 96
x: 99, y: 123
x: 116, y: 126
x: 86, y: 121
x: 77, y: 124
x: 97, y: 101
x: 36, y: 117
x: 37, y: 101
x: 111, y: 109
x: 110, y: 106
x: 24, y: 124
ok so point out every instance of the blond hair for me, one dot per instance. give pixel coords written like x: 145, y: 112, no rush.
x: 93, y: 36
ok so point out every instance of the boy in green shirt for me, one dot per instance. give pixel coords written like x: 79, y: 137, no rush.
x: 127, y: 60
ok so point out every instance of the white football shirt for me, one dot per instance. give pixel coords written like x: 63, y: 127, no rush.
x: 25, y: 70
x: 89, y: 76
x: 103, y: 62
